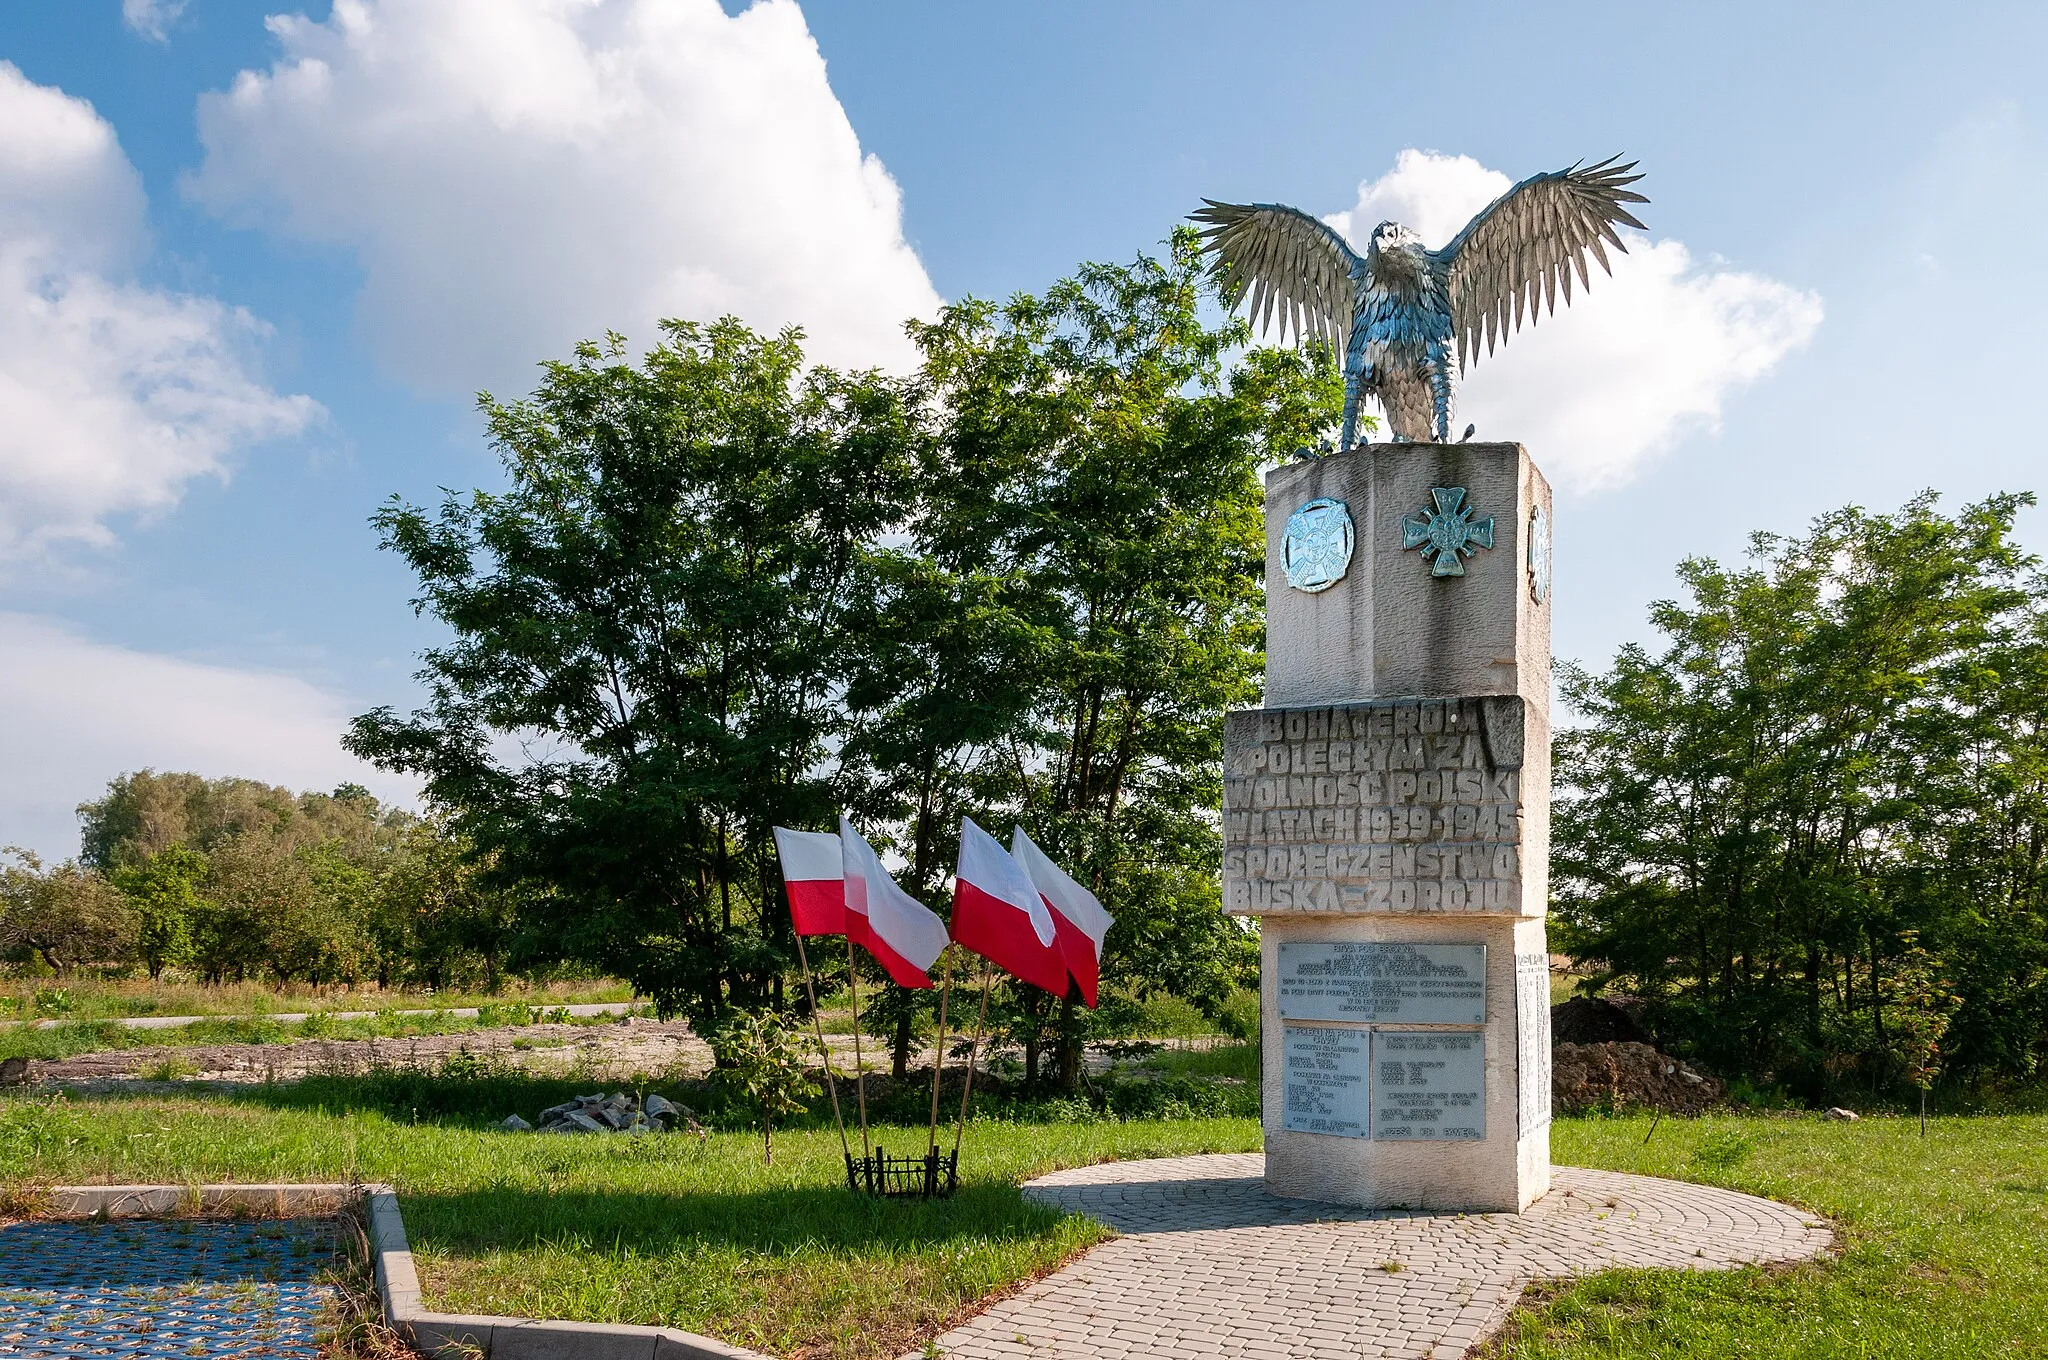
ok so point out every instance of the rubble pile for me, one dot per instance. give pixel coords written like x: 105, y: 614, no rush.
x: 616, y: 1113
x: 1630, y: 1076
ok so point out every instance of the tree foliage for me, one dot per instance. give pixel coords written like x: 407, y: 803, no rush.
x: 231, y: 880
x: 1833, y: 775
x: 723, y: 590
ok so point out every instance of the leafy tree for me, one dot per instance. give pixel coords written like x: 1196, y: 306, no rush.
x: 163, y: 890
x: 1921, y: 1005
x: 65, y: 915
x: 437, y: 921
x: 656, y: 600
x: 1093, y: 521
x: 1749, y: 819
x: 760, y: 1061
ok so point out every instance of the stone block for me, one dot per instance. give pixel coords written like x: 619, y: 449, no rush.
x: 572, y: 1341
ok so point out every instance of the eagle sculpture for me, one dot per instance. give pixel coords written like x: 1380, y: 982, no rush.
x: 1408, y: 318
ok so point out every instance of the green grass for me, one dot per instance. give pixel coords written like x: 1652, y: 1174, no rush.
x: 665, y: 1231
x: 1944, y: 1244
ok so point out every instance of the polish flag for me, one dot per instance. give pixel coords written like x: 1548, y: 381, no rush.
x: 998, y: 913
x: 1077, y: 916
x: 905, y: 936
x: 814, y: 876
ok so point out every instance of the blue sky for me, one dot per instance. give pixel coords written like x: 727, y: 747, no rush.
x: 249, y: 273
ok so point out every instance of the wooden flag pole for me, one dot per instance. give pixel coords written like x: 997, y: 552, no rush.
x: 860, y: 1070
x: 824, y: 1054
x: 931, y: 1142
x: 967, y: 1084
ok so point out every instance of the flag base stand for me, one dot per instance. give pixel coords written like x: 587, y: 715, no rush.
x: 932, y: 1176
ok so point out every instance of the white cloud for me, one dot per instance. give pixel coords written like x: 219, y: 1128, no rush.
x: 152, y: 19
x: 517, y: 175
x: 79, y: 712
x: 1632, y: 366
x: 112, y: 395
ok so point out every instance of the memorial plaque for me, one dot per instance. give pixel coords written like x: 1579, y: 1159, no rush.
x: 1428, y: 1086
x: 1532, y: 1035
x: 1418, y: 984
x: 1408, y: 805
x: 1326, y: 1086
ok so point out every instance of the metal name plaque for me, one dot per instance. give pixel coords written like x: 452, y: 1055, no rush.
x: 1428, y: 1086
x: 1416, y: 984
x: 1326, y: 1081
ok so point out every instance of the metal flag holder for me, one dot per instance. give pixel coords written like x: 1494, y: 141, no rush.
x: 932, y: 1176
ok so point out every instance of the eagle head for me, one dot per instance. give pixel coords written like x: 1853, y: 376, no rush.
x: 1395, y: 249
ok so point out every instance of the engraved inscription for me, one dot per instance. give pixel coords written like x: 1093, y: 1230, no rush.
x: 1428, y: 1085
x: 1396, y: 806
x: 1532, y: 1032
x: 1423, y: 984
x: 1326, y: 1086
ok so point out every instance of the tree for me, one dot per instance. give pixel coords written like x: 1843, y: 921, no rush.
x: 760, y: 1060
x: 437, y: 921
x: 65, y: 915
x: 163, y: 891
x: 656, y: 599
x: 1092, y: 524
x: 1749, y: 820
x: 1921, y: 1005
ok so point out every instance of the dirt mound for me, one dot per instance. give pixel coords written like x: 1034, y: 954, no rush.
x: 1596, y: 1020
x: 1627, y: 1076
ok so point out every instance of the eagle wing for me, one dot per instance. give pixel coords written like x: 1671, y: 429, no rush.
x: 1522, y: 249
x: 1286, y: 260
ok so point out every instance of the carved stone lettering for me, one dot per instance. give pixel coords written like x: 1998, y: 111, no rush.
x: 1420, y: 984
x: 1327, y: 1090
x: 1532, y: 1034
x: 1410, y: 805
x: 1428, y: 1085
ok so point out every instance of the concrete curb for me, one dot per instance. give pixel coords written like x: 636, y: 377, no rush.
x: 444, y: 1336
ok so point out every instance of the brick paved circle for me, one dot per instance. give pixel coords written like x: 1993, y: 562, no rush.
x: 1211, y: 1267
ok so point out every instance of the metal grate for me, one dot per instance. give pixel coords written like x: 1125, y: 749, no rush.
x: 928, y: 1177
x: 190, y: 1288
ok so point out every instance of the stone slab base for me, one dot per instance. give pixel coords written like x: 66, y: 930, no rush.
x: 1503, y: 1173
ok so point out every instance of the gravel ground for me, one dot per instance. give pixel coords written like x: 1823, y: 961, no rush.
x: 614, y: 1050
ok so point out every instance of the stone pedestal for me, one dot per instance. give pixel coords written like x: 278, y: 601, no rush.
x: 1387, y: 819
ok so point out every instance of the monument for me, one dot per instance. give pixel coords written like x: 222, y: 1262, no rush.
x: 1386, y: 814
x: 1386, y: 818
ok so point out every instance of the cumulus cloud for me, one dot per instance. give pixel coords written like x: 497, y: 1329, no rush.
x: 517, y: 175
x: 112, y: 395
x: 1645, y: 358
x: 152, y: 19
x: 79, y: 712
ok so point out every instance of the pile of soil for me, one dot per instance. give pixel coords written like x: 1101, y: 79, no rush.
x: 1627, y: 1076
x: 1598, y: 1020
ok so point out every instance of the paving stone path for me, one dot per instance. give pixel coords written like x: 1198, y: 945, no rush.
x: 195, y: 1289
x: 1211, y: 1267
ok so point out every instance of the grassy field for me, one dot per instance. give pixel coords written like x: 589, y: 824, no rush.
x: 1944, y: 1241
x: 655, y: 1230
x: 1944, y: 1244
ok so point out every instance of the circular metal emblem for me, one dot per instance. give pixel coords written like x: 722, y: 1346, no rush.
x: 1539, y: 554
x: 1317, y: 545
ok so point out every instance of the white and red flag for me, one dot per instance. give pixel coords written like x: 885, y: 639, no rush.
x: 1079, y: 922
x: 905, y: 936
x: 998, y: 913
x: 814, y: 876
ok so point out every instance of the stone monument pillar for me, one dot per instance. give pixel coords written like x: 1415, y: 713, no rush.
x: 1387, y: 819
